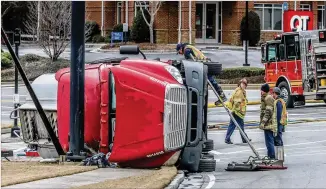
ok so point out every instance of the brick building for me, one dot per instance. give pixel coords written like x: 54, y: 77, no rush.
x: 208, y: 22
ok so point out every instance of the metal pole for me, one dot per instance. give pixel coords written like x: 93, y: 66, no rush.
x: 77, y: 78
x: 324, y: 15
x: 246, y: 37
x: 38, y: 20
x: 16, y: 98
x: 295, y: 5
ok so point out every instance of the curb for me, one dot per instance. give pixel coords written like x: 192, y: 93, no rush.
x: 255, y: 124
x: 212, y: 105
x: 178, y: 179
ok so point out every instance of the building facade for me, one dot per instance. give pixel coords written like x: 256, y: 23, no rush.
x: 201, y: 22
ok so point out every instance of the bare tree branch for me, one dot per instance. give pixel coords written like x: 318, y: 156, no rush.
x: 154, y: 7
x: 54, y: 26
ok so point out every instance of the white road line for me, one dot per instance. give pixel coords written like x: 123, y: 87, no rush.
x: 10, y: 107
x: 300, y: 131
x: 297, y: 144
x: 211, y: 181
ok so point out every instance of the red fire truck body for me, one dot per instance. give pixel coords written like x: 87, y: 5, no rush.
x: 295, y: 63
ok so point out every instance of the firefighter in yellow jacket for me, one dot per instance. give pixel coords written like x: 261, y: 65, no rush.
x: 238, y: 106
x: 192, y: 53
x: 279, y: 116
x: 267, y: 120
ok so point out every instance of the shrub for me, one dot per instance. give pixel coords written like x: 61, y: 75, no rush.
x: 6, y: 55
x: 6, y: 60
x: 30, y: 58
x: 230, y: 73
x: 118, y: 28
x: 140, y: 30
x: 6, y: 63
x: 92, y: 29
x: 253, y: 28
x: 98, y: 39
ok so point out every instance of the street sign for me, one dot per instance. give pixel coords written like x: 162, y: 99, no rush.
x: 125, y: 27
x: 17, y: 37
x: 285, y: 6
x: 16, y: 98
x: 117, y: 36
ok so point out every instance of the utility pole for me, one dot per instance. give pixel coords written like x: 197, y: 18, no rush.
x: 246, y: 36
x: 324, y: 16
x: 77, y: 80
x: 15, y: 128
x: 38, y: 20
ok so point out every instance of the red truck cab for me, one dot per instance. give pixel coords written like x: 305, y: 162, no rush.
x: 145, y: 113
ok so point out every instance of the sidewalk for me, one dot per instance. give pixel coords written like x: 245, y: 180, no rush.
x: 107, y: 178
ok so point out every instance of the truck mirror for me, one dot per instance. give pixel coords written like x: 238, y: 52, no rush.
x: 129, y: 49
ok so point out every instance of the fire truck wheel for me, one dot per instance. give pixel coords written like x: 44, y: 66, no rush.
x: 325, y: 101
x: 207, y: 165
x: 285, y: 92
x: 214, y: 68
x: 208, y: 145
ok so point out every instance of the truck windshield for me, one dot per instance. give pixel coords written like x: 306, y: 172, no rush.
x: 272, y: 53
x: 113, y: 93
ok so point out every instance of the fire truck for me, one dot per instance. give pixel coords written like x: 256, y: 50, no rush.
x: 145, y: 113
x: 296, y: 63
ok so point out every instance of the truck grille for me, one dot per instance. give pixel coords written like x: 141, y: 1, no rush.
x: 175, y: 117
x: 32, y: 126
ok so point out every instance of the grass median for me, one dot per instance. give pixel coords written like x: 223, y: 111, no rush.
x: 22, y: 172
x: 159, y: 179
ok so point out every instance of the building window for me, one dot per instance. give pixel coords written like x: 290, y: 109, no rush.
x: 139, y: 4
x: 321, y: 13
x: 270, y: 16
x: 305, y: 7
x: 119, y: 5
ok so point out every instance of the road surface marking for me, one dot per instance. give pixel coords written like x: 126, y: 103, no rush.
x: 255, y: 132
x: 297, y: 144
x: 215, y: 152
x: 211, y: 181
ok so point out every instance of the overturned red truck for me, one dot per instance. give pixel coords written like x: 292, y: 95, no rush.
x: 146, y: 113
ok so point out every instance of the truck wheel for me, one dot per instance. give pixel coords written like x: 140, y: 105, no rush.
x: 208, y: 145
x: 214, y: 68
x: 207, y: 165
x: 285, y: 92
x: 325, y: 101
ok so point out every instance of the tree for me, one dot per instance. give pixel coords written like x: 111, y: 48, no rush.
x: 140, y: 30
x: 253, y: 27
x: 154, y: 6
x: 54, y: 25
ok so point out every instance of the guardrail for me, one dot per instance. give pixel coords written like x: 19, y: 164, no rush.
x: 34, y: 37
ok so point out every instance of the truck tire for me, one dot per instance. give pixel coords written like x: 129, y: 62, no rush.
x: 325, y: 101
x: 207, y: 165
x: 285, y: 92
x: 208, y: 145
x: 214, y: 68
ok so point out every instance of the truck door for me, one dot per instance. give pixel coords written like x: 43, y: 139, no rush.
x: 271, y: 64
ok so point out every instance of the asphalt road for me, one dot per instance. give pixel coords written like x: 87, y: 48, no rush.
x: 228, y: 58
x: 309, y: 111
x: 305, y: 152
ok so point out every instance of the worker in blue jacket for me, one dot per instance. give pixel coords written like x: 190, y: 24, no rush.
x: 280, y: 116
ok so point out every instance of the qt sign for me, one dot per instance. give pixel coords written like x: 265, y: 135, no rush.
x: 301, y: 20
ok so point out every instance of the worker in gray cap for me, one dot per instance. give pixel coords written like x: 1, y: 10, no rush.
x: 280, y: 115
